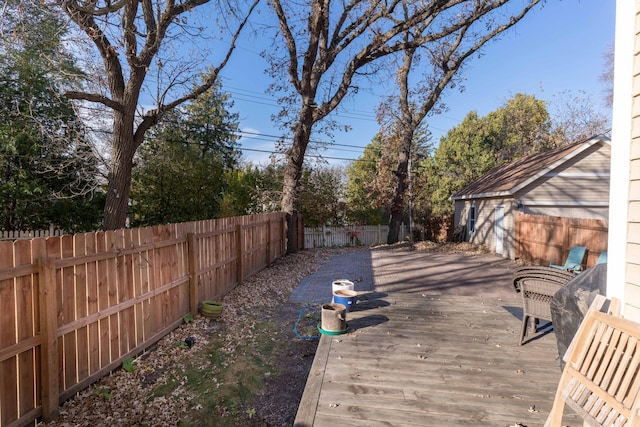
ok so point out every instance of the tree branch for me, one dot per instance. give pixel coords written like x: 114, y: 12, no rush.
x: 291, y: 44
x: 94, y: 97
x: 154, y: 116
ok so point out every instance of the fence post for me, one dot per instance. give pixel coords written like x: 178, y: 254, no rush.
x: 193, y: 273
x: 240, y: 242
x: 300, y: 231
x: 49, y: 338
x: 283, y: 234
x: 268, y: 249
x: 324, y: 236
x: 565, y: 238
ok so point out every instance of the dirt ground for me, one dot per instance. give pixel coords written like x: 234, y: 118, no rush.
x: 247, y: 368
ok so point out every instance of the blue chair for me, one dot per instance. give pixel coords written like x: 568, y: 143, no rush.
x: 602, y: 259
x: 574, y: 260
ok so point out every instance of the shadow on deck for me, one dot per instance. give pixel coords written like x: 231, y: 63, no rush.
x: 415, y: 357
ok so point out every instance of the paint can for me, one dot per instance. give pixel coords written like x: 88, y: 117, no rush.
x: 345, y: 297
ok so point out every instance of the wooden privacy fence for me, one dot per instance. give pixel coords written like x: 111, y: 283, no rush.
x: 72, y: 308
x: 543, y: 239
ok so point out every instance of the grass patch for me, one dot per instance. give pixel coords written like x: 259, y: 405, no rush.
x: 220, y: 384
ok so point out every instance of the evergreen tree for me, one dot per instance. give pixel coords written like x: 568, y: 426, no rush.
x: 182, y: 168
x: 48, y: 173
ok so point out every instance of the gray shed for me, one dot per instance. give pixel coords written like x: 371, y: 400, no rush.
x: 570, y: 181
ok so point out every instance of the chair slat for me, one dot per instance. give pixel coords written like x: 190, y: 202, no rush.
x: 607, y: 362
x: 601, y: 379
x: 629, y: 374
x: 616, y: 365
x: 601, y: 348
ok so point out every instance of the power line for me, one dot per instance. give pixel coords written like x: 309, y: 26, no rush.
x: 318, y: 156
x: 277, y: 138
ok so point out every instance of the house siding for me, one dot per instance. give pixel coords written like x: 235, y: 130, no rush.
x: 632, y: 285
x: 629, y: 30
x: 632, y: 288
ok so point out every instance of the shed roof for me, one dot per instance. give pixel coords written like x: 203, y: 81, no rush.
x: 506, y: 179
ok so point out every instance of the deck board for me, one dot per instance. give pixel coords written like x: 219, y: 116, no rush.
x: 411, y: 359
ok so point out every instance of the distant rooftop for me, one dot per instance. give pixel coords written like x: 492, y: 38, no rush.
x: 505, y: 179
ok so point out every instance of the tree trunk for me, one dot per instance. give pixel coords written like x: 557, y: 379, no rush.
x: 397, y: 203
x: 293, y: 173
x: 119, y: 178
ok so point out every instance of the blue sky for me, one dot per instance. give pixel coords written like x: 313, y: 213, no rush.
x: 557, y: 48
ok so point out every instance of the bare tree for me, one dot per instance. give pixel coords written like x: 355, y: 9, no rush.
x: 439, y: 62
x: 576, y: 118
x: 138, y: 41
x: 329, y: 44
x: 607, y: 75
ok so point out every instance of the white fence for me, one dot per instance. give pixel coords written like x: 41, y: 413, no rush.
x: 30, y: 234
x: 347, y: 236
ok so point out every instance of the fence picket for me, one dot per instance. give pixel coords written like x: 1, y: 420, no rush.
x: 103, y: 299
x: 67, y: 307
x: 93, y: 332
x: 25, y: 327
x: 368, y: 235
x: 80, y: 305
x: 8, y: 371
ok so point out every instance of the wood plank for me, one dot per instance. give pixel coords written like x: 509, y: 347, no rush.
x: 93, y: 330
x: 26, y: 328
x: 8, y: 368
x: 103, y: 300
x: 144, y: 308
x: 67, y: 308
x: 80, y: 285
x: 309, y: 401
x: 48, y: 374
x: 121, y: 273
x: 431, y: 362
x: 129, y: 290
x: 112, y: 287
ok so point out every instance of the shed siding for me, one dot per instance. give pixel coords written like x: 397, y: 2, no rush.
x: 578, y: 189
x: 460, y: 214
x: 583, y: 212
x: 485, y: 223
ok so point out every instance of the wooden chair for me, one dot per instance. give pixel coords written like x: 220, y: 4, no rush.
x: 601, y: 378
x: 575, y: 260
x: 537, y: 284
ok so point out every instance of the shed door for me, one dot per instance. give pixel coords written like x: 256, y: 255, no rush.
x: 499, y: 229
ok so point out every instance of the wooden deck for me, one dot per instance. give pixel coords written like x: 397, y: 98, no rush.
x: 411, y: 359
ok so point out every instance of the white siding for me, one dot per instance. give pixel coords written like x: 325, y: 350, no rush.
x: 632, y: 290
x: 623, y: 272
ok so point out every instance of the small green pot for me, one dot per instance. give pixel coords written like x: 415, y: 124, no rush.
x: 211, y: 309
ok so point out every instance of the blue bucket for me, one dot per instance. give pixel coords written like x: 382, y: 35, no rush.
x: 345, y: 297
